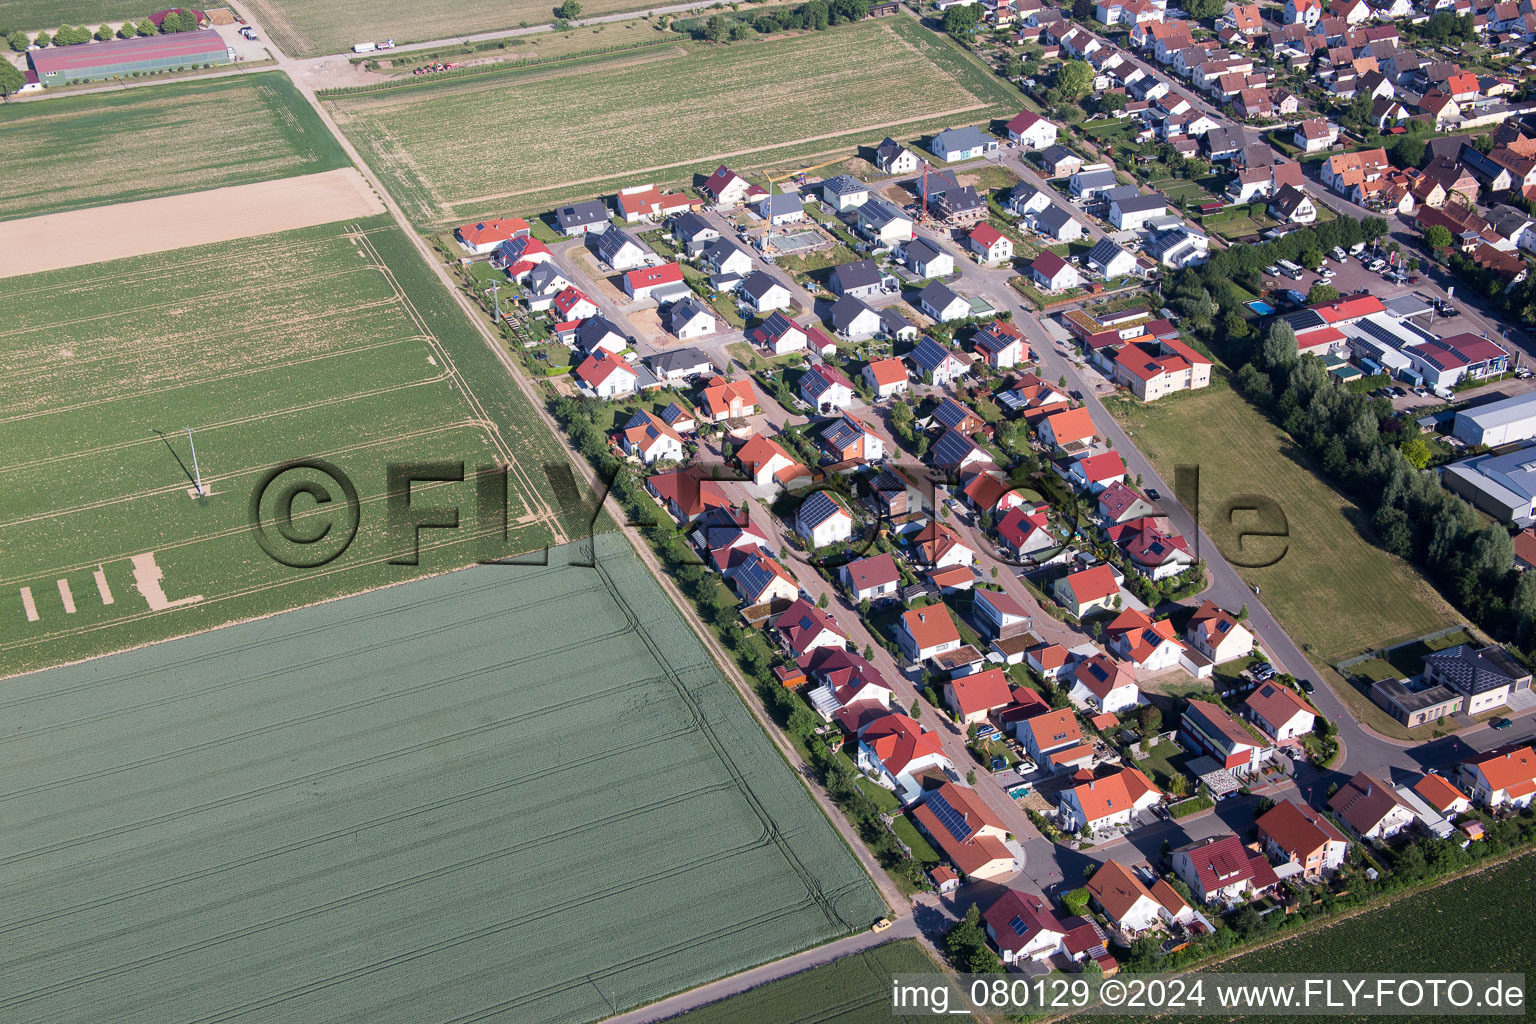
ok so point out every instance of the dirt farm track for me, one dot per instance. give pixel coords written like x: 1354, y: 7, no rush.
x: 51, y: 242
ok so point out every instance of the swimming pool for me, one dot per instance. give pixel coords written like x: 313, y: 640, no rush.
x: 1261, y: 307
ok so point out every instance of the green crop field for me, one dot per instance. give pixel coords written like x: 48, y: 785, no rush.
x: 78, y: 151
x: 1329, y: 571
x: 306, y: 28
x: 529, y: 139
x: 507, y: 793
x: 853, y: 990
x: 332, y: 342
x: 1488, y: 913
x: 33, y: 15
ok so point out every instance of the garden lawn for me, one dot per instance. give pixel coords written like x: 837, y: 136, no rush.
x: 1334, y: 591
x: 89, y: 150
x: 332, y: 342
x: 421, y: 803
x: 922, y: 850
x: 853, y: 990
x: 525, y: 140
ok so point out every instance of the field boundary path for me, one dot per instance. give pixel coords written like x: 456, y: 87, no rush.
x: 52, y: 241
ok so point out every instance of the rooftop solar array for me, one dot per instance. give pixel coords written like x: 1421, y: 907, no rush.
x: 953, y: 821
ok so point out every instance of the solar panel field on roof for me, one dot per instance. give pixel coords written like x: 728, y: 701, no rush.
x: 952, y: 820
x: 508, y: 793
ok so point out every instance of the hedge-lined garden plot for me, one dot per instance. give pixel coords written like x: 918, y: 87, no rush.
x: 331, y: 342
x: 519, y: 794
x: 90, y: 150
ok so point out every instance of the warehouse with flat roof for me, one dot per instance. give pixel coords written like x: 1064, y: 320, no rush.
x: 123, y: 58
x: 1511, y: 419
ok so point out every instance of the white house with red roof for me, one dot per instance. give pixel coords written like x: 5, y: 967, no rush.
x: 897, y: 749
x: 1031, y: 131
x: 648, y: 203
x: 650, y: 439
x: 998, y: 614
x: 1371, y: 808
x: 661, y: 284
x: 1216, y: 633
x: 1444, y: 797
x: 989, y: 244
x: 886, y: 377
x: 757, y: 578
x: 1108, y: 802
x: 1047, y: 659
x: 848, y: 687
x: 1025, y: 532
x: 1068, y: 427
x: 572, y: 304
x: 976, y: 696
x: 687, y: 493
x: 1302, y: 12
x: 1054, y: 274
x: 1023, y: 928
x: 1103, y: 684
x: 821, y: 519
x: 1154, y: 367
x: 966, y: 832
x: 1001, y: 343
x: 1120, y: 503
x: 1279, y: 712
x: 1093, y: 473
x: 1499, y: 779
x: 1154, y: 552
x: 727, y: 188
x: 1222, y: 868
x: 778, y: 335
x: 604, y: 375
x: 517, y: 256
x: 1210, y: 729
x: 1088, y: 590
x: 922, y: 633
x: 1150, y: 646
x: 1293, y: 833
x: 766, y: 462
x: 871, y: 578
x: 1055, y: 740
x: 803, y: 627
x: 936, y: 546
x: 483, y: 236
x: 986, y: 490
x: 728, y: 399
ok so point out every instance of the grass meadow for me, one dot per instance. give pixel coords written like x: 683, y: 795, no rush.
x: 853, y: 990
x: 527, y: 139
x: 90, y: 150
x: 308, y: 28
x: 331, y: 342
x: 507, y: 793
x: 1329, y: 572
x: 31, y: 16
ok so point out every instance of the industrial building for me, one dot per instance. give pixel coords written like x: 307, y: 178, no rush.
x: 1504, y: 486
x: 1498, y: 423
x: 122, y: 58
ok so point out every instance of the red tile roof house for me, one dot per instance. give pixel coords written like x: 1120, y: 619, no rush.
x: 1371, y: 808
x: 1054, y: 274
x: 728, y: 400
x: 1047, y: 659
x: 1211, y: 730
x: 1023, y: 927
x: 966, y: 832
x: 922, y: 633
x: 603, y: 375
x: 1103, y: 684
x: 1221, y: 868
x: 1442, y: 796
x: 1094, y: 473
x: 872, y: 578
x: 1088, y: 590
x: 1071, y: 426
x: 1109, y: 802
x: 483, y: 236
x: 1497, y: 779
x: 1217, y: 634
x: 765, y: 462
x: 1150, y: 646
x: 899, y: 749
x: 650, y: 439
x: 1293, y: 833
x: 849, y: 687
x: 727, y: 188
x: 975, y: 697
x: 987, y: 492
x: 989, y: 244
x: 887, y: 377
x: 687, y: 493
x: 1049, y: 732
x: 1279, y: 712
x: 1002, y: 344
x: 1025, y: 533
x: 803, y: 627
x: 659, y: 283
x: 1155, y: 553
x: 1129, y: 904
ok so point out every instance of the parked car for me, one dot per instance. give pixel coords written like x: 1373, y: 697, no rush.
x: 1500, y: 723
x: 1306, y: 685
x: 1153, y: 494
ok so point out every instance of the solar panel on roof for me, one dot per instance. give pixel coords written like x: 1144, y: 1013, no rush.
x: 952, y: 820
x: 1018, y: 926
x: 1304, y: 320
x: 1379, y: 333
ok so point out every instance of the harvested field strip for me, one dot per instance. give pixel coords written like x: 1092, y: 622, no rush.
x: 82, y: 151
x: 437, y: 832
x: 304, y: 344
x: 33, y: 245
x: 430, y: 142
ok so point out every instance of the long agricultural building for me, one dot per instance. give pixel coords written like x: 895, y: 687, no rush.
x: 122, y: 58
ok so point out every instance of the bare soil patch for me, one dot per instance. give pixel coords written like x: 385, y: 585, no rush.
x: 58, y: 240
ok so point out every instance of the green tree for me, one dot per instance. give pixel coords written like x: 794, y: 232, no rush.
x: 1074, y: 79
x: 1203, y: 10
x: 1322, y: 292
x: 19, y: 42
x: 1417, y: 452
x: 127, y: 30
x: 1279, y: 346
x: 1151, y: 720
x: 103, y: 33
x: 1075, y: 902
x: 1082, y: 10
x: 962, y: 21
x: 147, y: 28
x: 802, y: 722
x: 821, y: 602
x: 179, y: 21
x: 1112, y: 102
x: 570, y: 10
x: 11, y: 79
x: 1311, y: 257
x: 716, y: 30
x: 43, y: 39
x: 1437, y: 237
x: 917, y: 709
